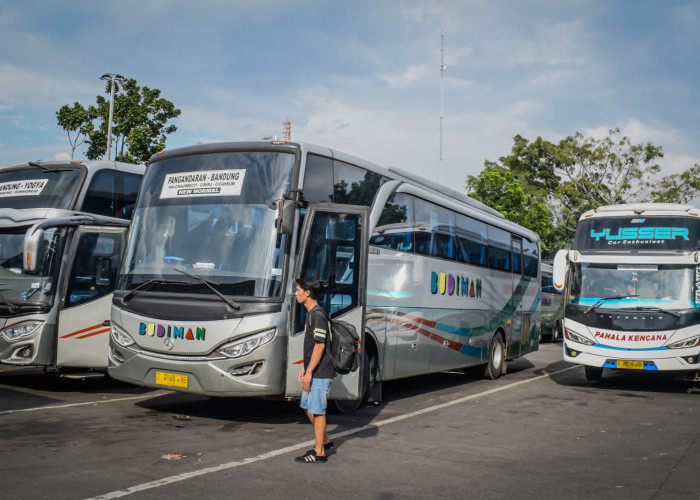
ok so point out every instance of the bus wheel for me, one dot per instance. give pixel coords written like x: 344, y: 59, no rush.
x: 350, y: 405
x: 497, y: 355
x: 593, y: 373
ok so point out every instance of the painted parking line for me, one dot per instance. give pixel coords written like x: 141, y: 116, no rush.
x: 282, y: 451
x: 86, y: 403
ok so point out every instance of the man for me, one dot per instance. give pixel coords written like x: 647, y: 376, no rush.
x: 317, y: 372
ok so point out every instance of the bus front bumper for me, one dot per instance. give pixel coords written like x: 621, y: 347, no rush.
x: 662, y: 359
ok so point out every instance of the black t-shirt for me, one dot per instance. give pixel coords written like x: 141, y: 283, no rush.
x: 316, y: 331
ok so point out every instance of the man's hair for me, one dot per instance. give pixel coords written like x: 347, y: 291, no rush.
x: 310, y: 285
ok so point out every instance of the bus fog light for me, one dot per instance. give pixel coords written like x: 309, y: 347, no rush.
x: 246, y: 345
x: 23, y: 352
x: 121, y: 337
x: 250, y: 369
x: 20, y: 330
x: 116, y: 356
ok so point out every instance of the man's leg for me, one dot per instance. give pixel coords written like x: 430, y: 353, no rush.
x: 319, y: 422
x: 311, y: 416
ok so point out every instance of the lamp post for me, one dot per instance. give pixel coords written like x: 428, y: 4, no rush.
x: 114, y: 78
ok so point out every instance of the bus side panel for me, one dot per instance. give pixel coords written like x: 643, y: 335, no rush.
x: 83, y: 340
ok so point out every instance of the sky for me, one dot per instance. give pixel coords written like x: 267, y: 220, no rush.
x: 363, y: 76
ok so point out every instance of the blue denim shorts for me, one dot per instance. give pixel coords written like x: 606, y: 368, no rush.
x: 315, y: 401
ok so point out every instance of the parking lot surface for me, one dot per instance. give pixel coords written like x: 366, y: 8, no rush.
x: 540, y: 431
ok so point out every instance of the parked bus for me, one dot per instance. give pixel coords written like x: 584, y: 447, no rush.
x: 552, y: 306
x: 62, y: 228
x: 432, y: 279
x: 632, y: 284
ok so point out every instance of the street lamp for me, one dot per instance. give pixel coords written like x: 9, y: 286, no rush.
x: 114, y: 78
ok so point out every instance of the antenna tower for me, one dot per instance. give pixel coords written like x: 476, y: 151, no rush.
x: 442, y: 99
x: 287, y: 134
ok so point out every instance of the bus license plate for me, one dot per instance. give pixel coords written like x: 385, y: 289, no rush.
x: 171, y: 379
x: 627, y: 364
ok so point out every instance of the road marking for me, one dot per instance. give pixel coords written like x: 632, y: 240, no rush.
x: 275, y: 453
x: 86, y: 403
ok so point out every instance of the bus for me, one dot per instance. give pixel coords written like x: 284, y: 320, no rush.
x: 552, y: 306
x: 431, y: 279
x: 632, y: 288
x: 62, y: 229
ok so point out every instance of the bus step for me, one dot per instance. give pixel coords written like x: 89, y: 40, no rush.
x: 82, y: 376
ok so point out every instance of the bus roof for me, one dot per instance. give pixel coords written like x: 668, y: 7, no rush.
x: 641, y: 209
x: 88, y: 164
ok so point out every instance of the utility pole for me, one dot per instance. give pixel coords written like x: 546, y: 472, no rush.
x: 442, y: 99
x: 120, y: 79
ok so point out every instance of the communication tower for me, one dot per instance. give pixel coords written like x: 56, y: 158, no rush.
x: 287, y: 134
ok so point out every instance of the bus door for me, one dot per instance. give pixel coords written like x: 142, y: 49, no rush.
x: 520, y: 331
x: 333, y: 249
x: 87, y: 296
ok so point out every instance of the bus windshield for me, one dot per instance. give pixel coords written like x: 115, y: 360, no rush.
x: 632, y: 286
x: 35, y: 187
x: 18, y: 286
x: 212, y: 216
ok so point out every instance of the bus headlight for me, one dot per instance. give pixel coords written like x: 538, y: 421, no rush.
x: 246, y: 345
x: 575, y: 337
x: 121, y: 337
x: 685, y: 343
x: 20, y: 330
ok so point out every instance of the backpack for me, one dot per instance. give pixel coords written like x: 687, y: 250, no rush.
x: 343, y: 346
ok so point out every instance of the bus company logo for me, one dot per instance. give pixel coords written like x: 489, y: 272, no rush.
x: 171, y: 331
x: 627, y: 235
x: 452, y: 284
x: 630, y: 337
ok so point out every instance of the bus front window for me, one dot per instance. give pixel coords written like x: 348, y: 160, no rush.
x: 630, y: 286
x: 228, y: 236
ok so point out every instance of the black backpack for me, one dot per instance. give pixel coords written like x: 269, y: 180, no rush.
x: 343, y: 346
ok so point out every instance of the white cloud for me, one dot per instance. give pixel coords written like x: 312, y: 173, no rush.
x: 62, y: 156
x: 411, y: 75
x: 26, y: 87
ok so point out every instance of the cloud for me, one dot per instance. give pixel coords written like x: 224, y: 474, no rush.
x: 411, y: 75
x: 26, y: 87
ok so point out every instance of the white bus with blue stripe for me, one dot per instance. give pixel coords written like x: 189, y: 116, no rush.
x: 632, y: 282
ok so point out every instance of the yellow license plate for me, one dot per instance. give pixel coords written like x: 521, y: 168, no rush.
x: 627, y: 364
x: 171, y: 379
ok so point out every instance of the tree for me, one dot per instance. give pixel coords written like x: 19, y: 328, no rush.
x: 573, y: 176
x: 74, y: 120
x: 139, y: 127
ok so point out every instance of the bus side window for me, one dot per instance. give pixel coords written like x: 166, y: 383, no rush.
x: 318, y: 179
x: 94, y: 269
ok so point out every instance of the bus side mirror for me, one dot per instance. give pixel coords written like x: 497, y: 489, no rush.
x: 33, y: 250
x: 559, y: 267
x: 285, y: 219
x: 103, y: 272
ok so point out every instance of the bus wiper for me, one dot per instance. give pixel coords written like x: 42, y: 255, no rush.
x: 148, y: 284
x: 48, y: 168
x: 657, y: 309
x: 211, y: 285
x: 13, y: 308
x: 603, y: 299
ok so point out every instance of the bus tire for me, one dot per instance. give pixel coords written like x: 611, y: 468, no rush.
x: 350, y: 405
x: 593, y: 373
x: 497, y: 356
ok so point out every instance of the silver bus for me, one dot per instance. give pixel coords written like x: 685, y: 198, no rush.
x: 432, y: 279
x: 62, y: 228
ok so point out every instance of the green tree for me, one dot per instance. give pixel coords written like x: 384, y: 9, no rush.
x: 74, y: 120
x: 570, y: 177
x: 139, y: 125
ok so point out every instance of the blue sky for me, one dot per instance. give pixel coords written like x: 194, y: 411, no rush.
x: 364, y: 76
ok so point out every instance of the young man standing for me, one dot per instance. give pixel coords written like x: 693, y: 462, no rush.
x: 318, y: 372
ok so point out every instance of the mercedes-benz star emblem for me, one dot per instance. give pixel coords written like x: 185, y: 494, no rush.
x: 168, y: 344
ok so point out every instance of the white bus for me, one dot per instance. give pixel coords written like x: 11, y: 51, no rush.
x: 62, y: 229
x: 432, y: 279
x: 632, y: 284
x: 552, y: 306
